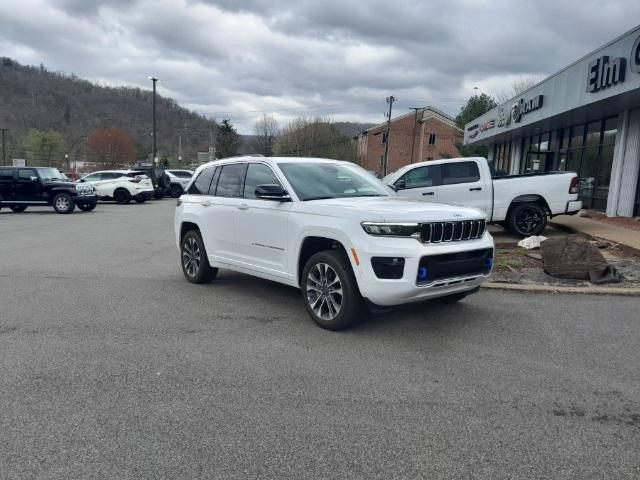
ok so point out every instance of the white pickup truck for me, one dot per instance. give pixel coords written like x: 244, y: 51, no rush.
x: 520, y: 203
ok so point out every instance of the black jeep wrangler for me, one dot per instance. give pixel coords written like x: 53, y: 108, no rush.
x: 21, y: 187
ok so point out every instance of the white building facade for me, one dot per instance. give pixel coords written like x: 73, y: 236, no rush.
x: 585, y: 118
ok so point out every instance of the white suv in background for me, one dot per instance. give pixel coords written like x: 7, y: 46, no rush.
x: 331, y: 229
x: 120, y: 185
x: 179, y: 181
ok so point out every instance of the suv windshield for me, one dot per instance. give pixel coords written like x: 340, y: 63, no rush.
x: 315, y: 181
x: 50, y: 174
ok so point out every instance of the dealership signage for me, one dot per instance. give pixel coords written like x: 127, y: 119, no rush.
x: 472, y: 131
x: 605, y: 72
x: 487, y: 125
x: 522, y: 107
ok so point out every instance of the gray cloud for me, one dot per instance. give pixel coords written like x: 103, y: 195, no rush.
x: 341, y: 58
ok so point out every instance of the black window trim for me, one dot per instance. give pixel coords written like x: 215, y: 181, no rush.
x: 244, y: 178
x: 217, y: 174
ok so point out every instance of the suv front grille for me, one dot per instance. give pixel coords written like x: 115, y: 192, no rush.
x: 436, y: 232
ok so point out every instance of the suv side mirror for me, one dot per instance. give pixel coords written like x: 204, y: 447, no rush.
x: 272, y: 192
x: 400, y: 185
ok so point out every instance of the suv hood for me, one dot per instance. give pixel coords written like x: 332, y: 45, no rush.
x: 60, y: 183
x: 388, y: 209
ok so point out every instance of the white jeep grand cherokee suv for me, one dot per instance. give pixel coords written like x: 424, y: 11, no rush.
x: 331, y: 229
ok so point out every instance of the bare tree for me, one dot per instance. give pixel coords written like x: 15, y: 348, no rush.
x: 266, y: 131
x: 519, y: 85
x: 315, y: 137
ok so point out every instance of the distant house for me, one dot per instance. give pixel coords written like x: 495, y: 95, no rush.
x: 436, y: 136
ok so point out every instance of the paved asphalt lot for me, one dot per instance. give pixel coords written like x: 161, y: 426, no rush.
x: 113, y: 366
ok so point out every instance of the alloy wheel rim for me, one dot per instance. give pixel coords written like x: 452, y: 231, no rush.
x: 528, y: 220
x: 324, y: 291
x: 191, y: 257
x: 62, y: 203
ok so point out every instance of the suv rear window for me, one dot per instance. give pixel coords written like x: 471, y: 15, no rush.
x: 201, y: 185
x: 6, y: 174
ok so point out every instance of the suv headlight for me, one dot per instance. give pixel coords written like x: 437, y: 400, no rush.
x: 391, y: 229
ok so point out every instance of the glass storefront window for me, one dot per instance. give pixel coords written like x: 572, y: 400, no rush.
x: 593, y: 134
x: 610, y: 130
x: 577, y: 135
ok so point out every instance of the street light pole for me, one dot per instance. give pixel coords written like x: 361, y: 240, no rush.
x: 154, y: 147
x: 390, y: 101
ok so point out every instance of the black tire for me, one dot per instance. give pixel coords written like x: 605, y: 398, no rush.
x: 63, y: 203
x: 164, y: 181
x: 140, y: 198
x: 18, y: 209
x: 316, y: 283
x: 527, y: 219
x: 158, y: 195
x: 193, y: 259
x: 86, y: 207
x: 176, y: 190
x: 122, y: 196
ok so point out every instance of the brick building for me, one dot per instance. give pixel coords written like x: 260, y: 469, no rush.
x: 436, y: 136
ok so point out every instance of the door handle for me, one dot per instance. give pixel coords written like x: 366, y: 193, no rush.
x: 427, y: 193
x: 206, y: 203
x: 475, y: 189
x: 243, y: 206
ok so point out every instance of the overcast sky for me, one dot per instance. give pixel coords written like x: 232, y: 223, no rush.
x: 339, y: 58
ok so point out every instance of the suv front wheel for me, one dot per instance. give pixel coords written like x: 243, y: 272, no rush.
x: 194, y: 261
x: 63, y: 203
x: 330, y: 291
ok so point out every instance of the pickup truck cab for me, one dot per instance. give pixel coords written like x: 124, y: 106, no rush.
x: 330, y: 229
x: 520, y: 203
x: 22, y: 187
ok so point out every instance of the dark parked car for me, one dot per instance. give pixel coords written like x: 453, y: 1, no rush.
x: 160, y: 180
x: 22, y: 187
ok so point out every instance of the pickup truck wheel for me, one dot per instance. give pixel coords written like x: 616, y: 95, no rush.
x: 527, y: 219
x: 330, y: 291
x: 86, y: 207
x: 18, y: 209
x: 176, y: 190
x: 194, y: 261
x: 122, y: 196
x: 63, y: 203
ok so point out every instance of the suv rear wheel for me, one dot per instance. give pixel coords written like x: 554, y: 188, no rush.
x: 330, y: 291
x: 63, y: 203
x: 193, y: 258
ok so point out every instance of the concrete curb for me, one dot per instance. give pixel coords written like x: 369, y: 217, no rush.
x: 633, y: 291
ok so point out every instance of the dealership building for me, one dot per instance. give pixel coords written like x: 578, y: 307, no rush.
x: 585, y: 118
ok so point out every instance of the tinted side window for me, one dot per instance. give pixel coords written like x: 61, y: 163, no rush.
x: 258, y: 174
x: 420, y: 177
x: 201, y: 185
x: 26, y: 173
x: 461, y: 172
x: 230, y: 181
x: 6, y: 175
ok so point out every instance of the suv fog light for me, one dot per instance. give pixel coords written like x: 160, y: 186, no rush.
x: 388, y: 267
x: 423, y: 273
x: 488, y: 263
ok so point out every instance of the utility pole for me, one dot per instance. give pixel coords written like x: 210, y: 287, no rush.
x: 4, y: 151
x: 179, y: 149
x: 415, y: 123
x: 385, y: 163
x: 154, y: 147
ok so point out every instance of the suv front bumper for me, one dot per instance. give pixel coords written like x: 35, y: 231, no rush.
x: 409, y: 288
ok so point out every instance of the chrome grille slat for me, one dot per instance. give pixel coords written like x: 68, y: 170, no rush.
x: 460, y: 230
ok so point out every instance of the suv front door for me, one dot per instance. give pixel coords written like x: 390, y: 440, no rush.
x: 261, y: 225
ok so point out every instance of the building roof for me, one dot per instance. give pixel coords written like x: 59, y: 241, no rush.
x: 427, y: 113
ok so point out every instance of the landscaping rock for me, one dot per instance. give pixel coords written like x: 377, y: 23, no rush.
x: 575, y: 257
